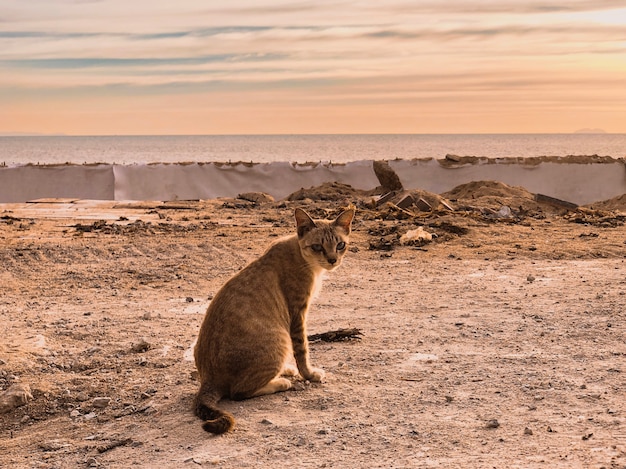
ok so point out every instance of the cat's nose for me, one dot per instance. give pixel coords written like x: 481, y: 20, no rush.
x: 332, y: 261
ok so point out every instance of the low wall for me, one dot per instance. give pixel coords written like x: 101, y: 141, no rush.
x: 578, y: 182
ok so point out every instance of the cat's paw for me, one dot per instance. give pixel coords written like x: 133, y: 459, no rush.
x: 315, y: 375
x: 289, y: 370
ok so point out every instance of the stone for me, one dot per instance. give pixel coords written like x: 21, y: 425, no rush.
x: 417, y: 237
x: 387, y: 177
x: 256, y: 197
x: 101, y: 402
x: 14, y: 396
x: 141, y: 346
x: 493, y: 423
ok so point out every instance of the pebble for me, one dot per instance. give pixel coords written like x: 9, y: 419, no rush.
x: 101, y: 402
x: 493, y: 423
x: 16, y: 395
x: 141, y: 346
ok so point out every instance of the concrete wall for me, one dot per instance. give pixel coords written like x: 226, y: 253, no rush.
x: 575, y: 182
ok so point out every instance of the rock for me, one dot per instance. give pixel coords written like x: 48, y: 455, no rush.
x: 417, y: 237
x: 504, y: 212
x: 528, y: 431
x: 387, y: 177
x: 53, y: 445
x: 256, y: 197
x: 101, y: 402
x: 15, y: 396
x: 141, y: 346
x: 493, y: 423
x: 530, y: 278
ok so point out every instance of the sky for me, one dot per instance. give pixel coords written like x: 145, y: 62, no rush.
x: 154, y: 67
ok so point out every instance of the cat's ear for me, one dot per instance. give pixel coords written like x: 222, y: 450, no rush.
x: 344, y: 220
x: 304, y: 222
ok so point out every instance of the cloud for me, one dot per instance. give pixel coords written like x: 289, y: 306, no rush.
x: 339, y: 52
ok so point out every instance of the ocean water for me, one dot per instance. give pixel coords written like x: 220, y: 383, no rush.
x: 19, y: 150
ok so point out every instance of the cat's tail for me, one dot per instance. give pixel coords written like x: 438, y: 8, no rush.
x: 215, y: 420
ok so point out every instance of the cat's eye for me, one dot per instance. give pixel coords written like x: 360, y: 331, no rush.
x: 341, y: 246
x: 317, y: 247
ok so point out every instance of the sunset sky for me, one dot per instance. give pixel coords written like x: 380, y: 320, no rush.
x: 99, y: 67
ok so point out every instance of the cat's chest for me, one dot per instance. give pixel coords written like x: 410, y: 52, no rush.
x: 317, y: 285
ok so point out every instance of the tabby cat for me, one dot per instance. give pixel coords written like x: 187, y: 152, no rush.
x: 258, y: 319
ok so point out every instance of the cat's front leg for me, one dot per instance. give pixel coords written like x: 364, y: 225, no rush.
x: 300, y: 346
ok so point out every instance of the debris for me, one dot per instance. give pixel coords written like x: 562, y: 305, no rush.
x: 530, y: 278
x: 53, y: 445
x: 397, y: 213
x: 336, y: 336
x: 424, y: 206
x: 504, y: 212
x: 256, y: 197
x: 381, y: 244
x: 528, y: 431
x: 417, y: 237
x: 385, y: 198
x: 446, y: 205
x: 406, y: 201
x: 15, y: 396
x: 587, y: 436
x: 546, y: 199
x: 141, y: 346
x: 114, y: 444
x: 387, y: 177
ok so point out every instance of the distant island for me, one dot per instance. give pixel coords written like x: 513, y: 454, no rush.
x: 590, y: 131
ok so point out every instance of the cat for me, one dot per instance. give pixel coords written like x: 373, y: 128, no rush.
x: 257, y: 320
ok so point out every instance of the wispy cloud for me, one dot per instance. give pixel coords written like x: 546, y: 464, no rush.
x: 313, y: 52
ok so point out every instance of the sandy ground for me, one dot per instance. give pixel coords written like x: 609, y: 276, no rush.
x: 501, y: 343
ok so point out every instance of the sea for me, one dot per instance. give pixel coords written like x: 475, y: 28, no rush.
x: 128, y: 150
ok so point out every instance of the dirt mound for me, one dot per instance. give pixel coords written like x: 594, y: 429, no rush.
x: 616, y: 203
x: 488, y: 196
x: 480, y: 189
x: 327, y: 191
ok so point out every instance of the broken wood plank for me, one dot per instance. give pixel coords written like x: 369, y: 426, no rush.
x: 546, y: 199
x: 337, y: 336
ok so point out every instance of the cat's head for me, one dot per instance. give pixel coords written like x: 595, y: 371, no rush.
x: 323, y: 243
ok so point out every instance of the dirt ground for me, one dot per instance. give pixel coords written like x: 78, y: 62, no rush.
x: 499, y: 343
